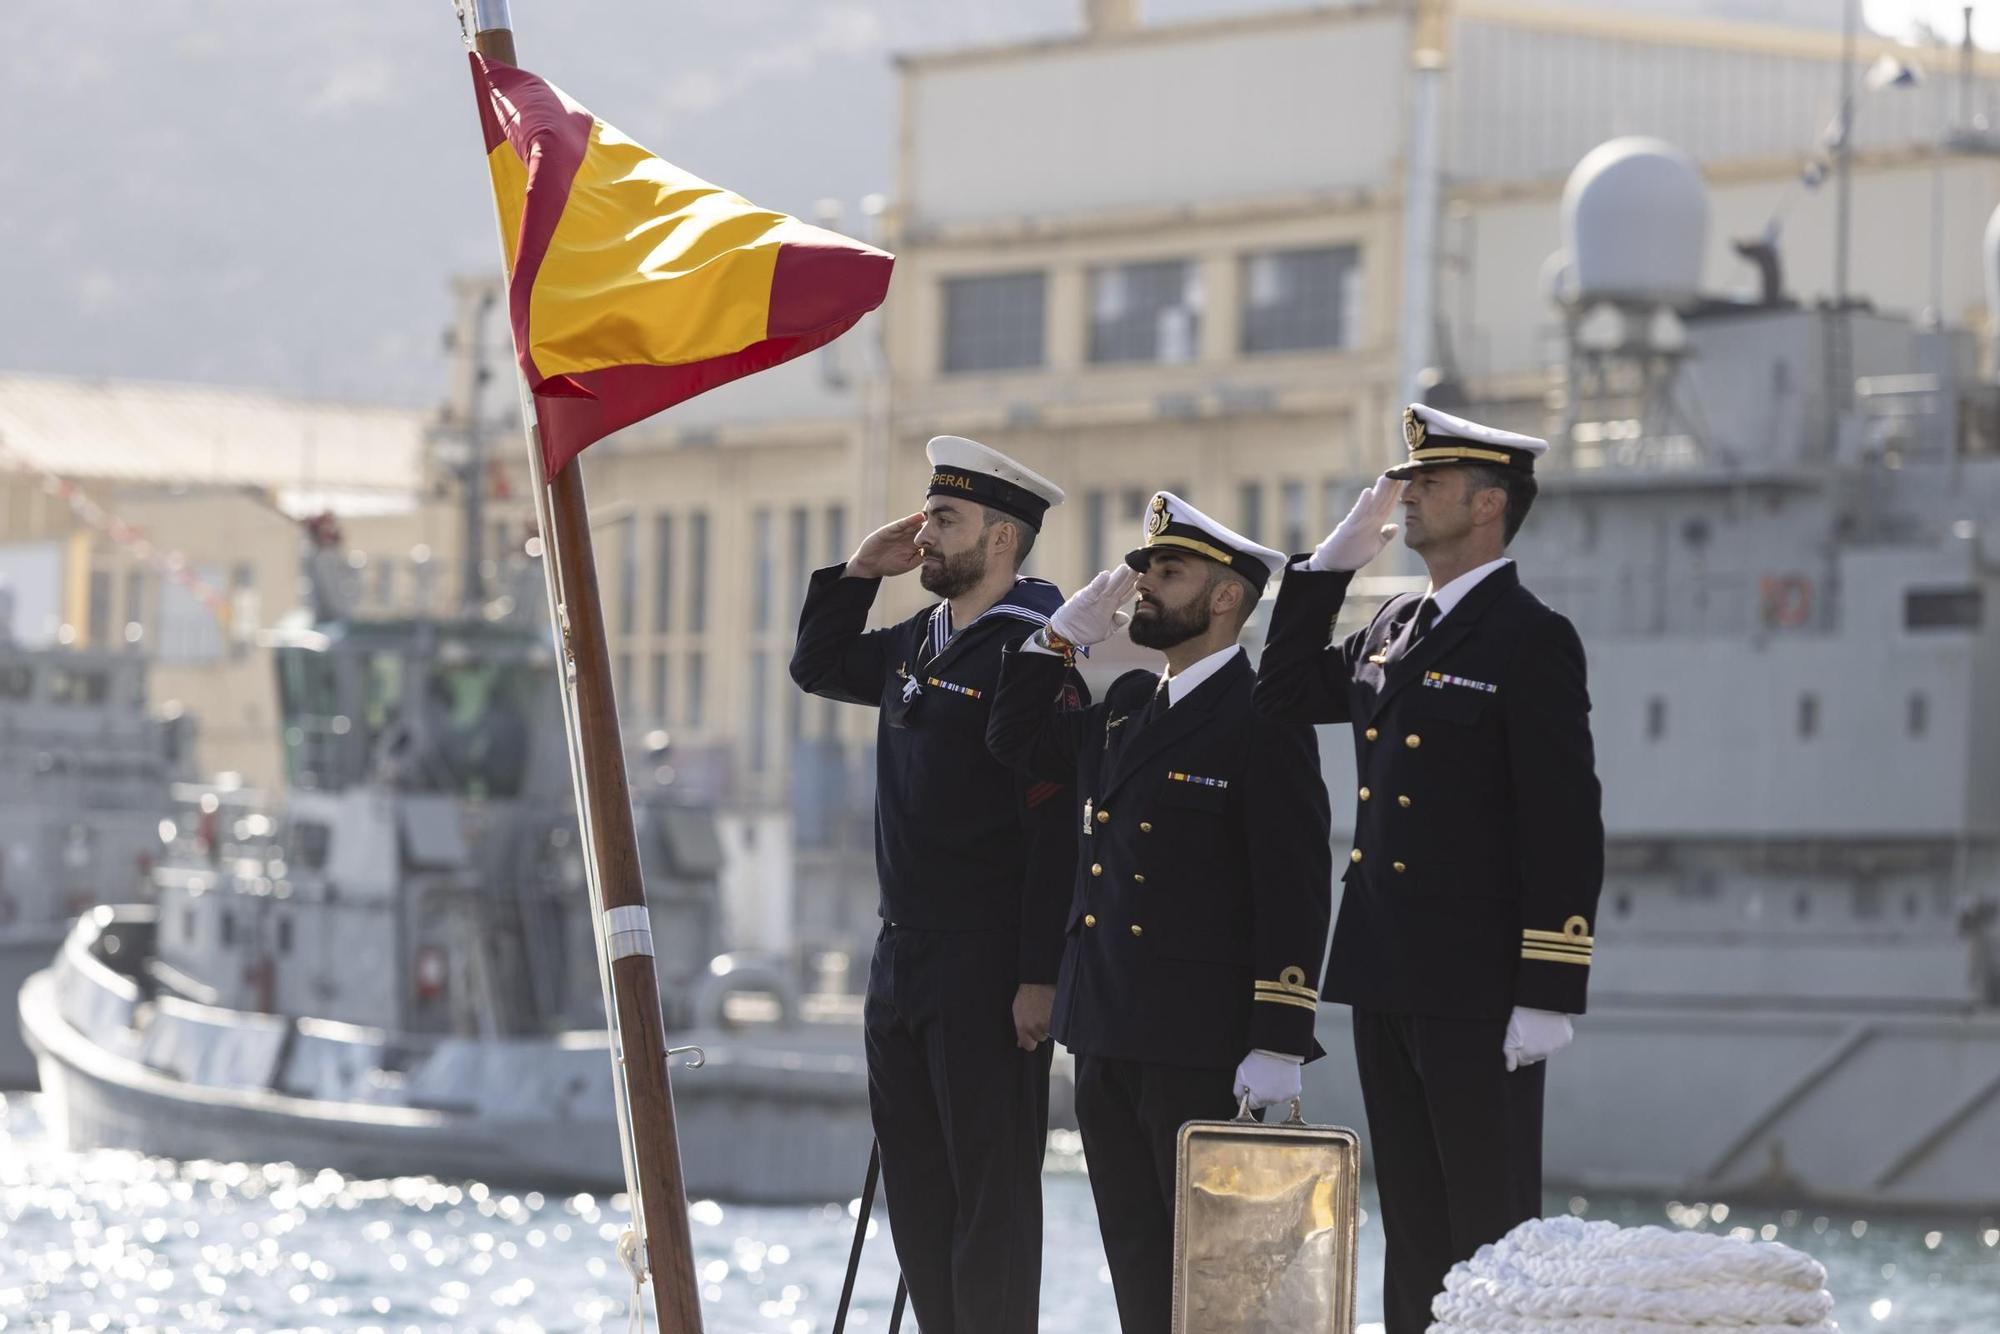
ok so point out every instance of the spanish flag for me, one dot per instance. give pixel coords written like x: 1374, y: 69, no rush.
x: 633, y: 285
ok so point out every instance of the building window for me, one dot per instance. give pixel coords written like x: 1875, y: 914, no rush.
x: 663, y: 573
x: 1299, y: 300
x: 760, y: 570
x: 993, y: 322
x: 228, y: 927
x: 284, y: 935
x: 1917, y: 720
x: 1094, y: 516
x: 1942, y: 608
x: 621, y: 685
x: 659, y: 696
x: 1808, y: 716
x: 836, y: 534
x: 697, y: 681
x: 1250, y: 509
x: 760, y: 718
x: 698, y: 571
x: 1145, y: 312
x: 189, y: 631
x: 800, y: 552
x: 135, y: 605
x: 627, y: 540
x: 1656, y: 718
x: 98, y: 623
x: 1291, y: 517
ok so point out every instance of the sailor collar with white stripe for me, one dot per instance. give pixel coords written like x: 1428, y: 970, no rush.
x: 1014, y: 604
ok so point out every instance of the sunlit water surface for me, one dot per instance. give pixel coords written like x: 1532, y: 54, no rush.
x: 114, y: 1241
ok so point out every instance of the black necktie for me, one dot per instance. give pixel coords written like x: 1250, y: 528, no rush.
x: 1419, y: 626
x: 1155, y: 706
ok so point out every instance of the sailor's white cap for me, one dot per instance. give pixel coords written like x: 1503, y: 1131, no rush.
x: 1437, y: 439
x: 962, y: 467
x: 1173, y: 524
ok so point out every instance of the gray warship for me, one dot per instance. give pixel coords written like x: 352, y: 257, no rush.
x: 1776, y: 528
x: 85, y: 773
x: 393, y: 973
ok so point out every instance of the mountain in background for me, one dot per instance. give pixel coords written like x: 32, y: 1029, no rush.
x: 238, y: 192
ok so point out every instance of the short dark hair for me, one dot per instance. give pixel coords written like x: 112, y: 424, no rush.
x: 1024, y: 533
x: 1217, y: 572
x: 1520, y: 487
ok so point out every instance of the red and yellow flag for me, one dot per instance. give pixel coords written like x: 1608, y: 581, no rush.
x: 633, y: 285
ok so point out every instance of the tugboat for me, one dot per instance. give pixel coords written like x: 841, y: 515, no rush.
x: 394, y: 973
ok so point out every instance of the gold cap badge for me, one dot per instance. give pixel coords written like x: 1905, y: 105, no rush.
x: 1156, y: 520
x: 1413, y: 428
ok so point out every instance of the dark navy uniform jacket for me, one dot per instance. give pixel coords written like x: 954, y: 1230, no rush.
x: 1478, y: 846
x: 1203, y: 871
x: 962, y: 843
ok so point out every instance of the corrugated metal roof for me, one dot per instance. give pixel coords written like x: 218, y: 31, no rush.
x: 138, y: 431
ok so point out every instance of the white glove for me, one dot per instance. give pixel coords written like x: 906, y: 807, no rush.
x: 1268, y: 1077
x: 1092, y: 613
x: 1364, y: 532
x: 1534, y: 1035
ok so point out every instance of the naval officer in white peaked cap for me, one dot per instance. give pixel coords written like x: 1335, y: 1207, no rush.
x: 1465, y: 936
x: 1196, y: 929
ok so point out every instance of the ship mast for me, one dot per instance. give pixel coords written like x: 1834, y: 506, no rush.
x: 611, y: 853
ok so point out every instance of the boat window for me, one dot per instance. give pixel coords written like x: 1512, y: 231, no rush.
x: 474, y: 725
x: 69, y: 685
x: 306, y: 843
x: 309, y: 699
x: 1942, y: 608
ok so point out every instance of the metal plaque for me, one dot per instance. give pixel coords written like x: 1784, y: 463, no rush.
x: 1265, y: 1227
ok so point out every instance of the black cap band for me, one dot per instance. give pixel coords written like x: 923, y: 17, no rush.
x: 1004, y: 496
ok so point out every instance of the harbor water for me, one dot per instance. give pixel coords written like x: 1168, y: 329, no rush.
x: 115, y: 1241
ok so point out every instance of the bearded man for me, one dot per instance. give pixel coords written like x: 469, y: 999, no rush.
x: 974, y: 864
x: 1191, y: 971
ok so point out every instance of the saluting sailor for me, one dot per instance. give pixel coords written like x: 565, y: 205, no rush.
x: 975, y: 865
x: 1465, y: 933
x: 1202, y: 888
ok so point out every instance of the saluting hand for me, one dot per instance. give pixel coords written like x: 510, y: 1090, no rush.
x: 888, y: 551
x: 1364, y: 532
x: 1092, y: 614
x: 1034, y: 1006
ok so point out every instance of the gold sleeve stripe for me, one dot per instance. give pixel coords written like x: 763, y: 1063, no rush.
x: 1299, y: 1001
x: 1555, y: 947
x: 1558, y: 937
x: 1289, y: 989
x: 1553, y: 956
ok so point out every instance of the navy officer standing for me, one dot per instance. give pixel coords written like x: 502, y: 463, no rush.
x: 1191, y: 973
x: 975, y: 865
x: 1464, y: 940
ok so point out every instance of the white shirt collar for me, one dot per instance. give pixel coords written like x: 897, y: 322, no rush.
x: 1454, y: 592
x: 1181, y: 686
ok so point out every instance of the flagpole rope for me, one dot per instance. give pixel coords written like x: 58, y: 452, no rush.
x: 632, y: 1256
x: 631, y: 1246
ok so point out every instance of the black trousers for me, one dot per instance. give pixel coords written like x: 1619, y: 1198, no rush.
x: 962, y: 1117
x: 1457, y: 1142
x: 1131, y: 1114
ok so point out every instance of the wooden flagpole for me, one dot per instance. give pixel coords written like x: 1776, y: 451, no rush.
x: 605, y: 808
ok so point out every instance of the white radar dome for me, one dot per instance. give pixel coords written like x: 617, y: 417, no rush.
x: 1635, y: 222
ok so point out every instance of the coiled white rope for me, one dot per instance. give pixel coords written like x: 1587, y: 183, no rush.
x: 1570, y: 1276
